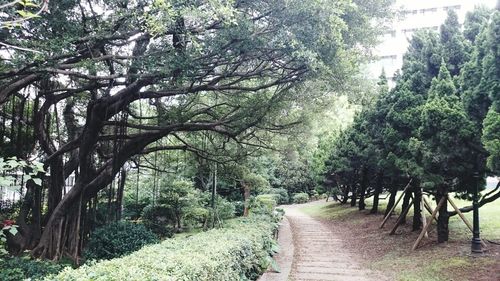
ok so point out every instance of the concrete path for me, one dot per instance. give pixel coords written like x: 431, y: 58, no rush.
x: 318, y: 253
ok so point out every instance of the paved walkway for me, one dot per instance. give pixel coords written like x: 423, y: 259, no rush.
x: 318, y: 253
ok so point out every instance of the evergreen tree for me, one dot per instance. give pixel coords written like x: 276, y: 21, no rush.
x: 490, y: 83
x: 454, y: 46
x: 443, y: 144
x: 475, y: 21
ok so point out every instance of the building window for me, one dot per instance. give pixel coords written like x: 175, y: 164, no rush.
x: 390, y: 57
x: 456, y: 8
x: 410, y: 12
x: 391, y: 33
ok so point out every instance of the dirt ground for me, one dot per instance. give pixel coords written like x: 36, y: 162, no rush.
x: 392, y: 254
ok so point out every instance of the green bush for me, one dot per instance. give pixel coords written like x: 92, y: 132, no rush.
x: 314, y: 194
x: 21, y: 268
x: 195, y: 216
x: 282, y: 197
x: 158, y: 219
x: 263, y: 204
x: 239, y: 207
x: 117, y: 239
x: 300, y: 198
x: 240, y: 251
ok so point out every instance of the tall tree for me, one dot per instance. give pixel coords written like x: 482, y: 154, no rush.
x: 444, y: 145
x: 455, y: 49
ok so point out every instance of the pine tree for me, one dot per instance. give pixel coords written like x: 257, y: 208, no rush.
x: 490, y: 83
x: 454, y: 46
x: 443, y: 144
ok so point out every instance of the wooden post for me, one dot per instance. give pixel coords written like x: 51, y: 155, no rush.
x: 464, y: 219
x: 424, y: 219
x: 422, y: 233
x: 403, y: 214
x: 429, y: 208
x: 395, y: 204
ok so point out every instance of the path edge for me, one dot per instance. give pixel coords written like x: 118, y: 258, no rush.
x: 284, y: 258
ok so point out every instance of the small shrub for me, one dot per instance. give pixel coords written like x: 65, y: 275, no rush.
x: 158, y: 219
x: 239, y: 207
x: 282, y: 197
x: 300, y: 198
x: 225, y: 209
x: 160, y: 230
x: 195, y: 216
x: 263, y: 204
x: 118, y: 239
x: 21, y: 268
x: 314, y: 194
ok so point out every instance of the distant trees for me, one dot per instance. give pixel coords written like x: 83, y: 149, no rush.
x: 437, y: 127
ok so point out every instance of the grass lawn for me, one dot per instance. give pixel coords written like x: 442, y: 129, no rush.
x: 392, y: 254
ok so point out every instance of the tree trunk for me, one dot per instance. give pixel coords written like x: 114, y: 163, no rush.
x: 119, y: 194
x: 345, y: 197
x: 378, y: 190
x: 406, y: 202
x: 362, y: 192
x: 417, y: 210
x: 353, y: 196
x: 443, y: 219
x: 246, y: 196
x: 392, y: 199
x: 56, y: 184
x: 29, y: 234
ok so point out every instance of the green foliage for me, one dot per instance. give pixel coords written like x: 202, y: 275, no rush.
x: 300, y: 198
x: 239, y: 252
x: 4, y: 231
x: 118, y: 239
x: 22, y: 268
x: 159, y: 220
x: 256, y: 182
x: 475, y: 21
x: 444, y: 133
x: 454, y: 46
x: 491, y: 140
x: 225, y: 209
x: 263, y: 204
x: 282, y: 196
x: 31, y: 170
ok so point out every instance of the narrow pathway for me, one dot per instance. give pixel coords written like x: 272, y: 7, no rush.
x: 318, y: 253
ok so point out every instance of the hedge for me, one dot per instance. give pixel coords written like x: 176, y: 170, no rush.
x: 300, y: 198
x: 238, y: 252
x: 118, y: 239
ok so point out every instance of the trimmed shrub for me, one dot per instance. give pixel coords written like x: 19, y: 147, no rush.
x: 299, y: 198
x: 282, y: 197
x: 118, y: 239
x: 239, y: 252
x: 267, y: 202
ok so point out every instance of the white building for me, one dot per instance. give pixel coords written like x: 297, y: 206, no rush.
x: 415, y: 15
